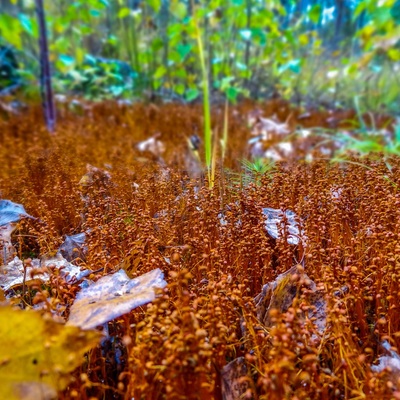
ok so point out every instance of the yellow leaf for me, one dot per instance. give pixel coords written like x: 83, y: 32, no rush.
x: 303, y: 39
x: 37, y: 353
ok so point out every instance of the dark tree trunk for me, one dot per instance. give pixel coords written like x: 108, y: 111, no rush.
x: 339, y: 20
x: 45, y: 70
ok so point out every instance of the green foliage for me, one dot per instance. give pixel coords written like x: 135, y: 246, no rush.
x: 97, y: 77
x: 251, y: 48
x: 253, y: 171
x: 8, y: 68
x: 372, y: 142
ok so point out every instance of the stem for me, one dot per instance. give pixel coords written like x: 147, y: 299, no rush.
x: 206, y: 108
x: 225, y: 130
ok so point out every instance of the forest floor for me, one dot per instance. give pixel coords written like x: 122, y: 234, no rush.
x: 282, y: 280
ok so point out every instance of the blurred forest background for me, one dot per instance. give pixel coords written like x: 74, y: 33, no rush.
x: 314, y: 53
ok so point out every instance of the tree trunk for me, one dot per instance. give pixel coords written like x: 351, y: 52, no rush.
x: 45, y: 70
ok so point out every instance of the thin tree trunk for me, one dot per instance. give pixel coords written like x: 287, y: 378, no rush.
x: 249, y: 12
x: 164, y: 21
x: 339, y: 20
x: 45, y: 71
x: 208, y: 49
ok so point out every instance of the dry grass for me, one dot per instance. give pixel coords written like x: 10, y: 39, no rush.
x: 176, y: 347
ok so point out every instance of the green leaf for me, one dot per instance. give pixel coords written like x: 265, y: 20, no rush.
x: 397, y: 133
x: 259, y: 34
x: 240, y: 66
x: 180, y: 73
x: 367, y: 146
x: 10, y: 29
x: 359, y: 9
x: 394, y: 54
x: 79, y: 55
x: 26, y: 23
x: 113, y: 40
x: 175, y: 30
x: 180, y: 89
x: 157, y: 44
x: 292, y: 65
x: 395, y: 12
x: 178, y: 10
x: 232, y: 94
x: 154, y: 4
x: 226, y: 82
x: 76, y: 76
x: 183, y: 50
x: 382, y: 16
x: 66, y: 60
x: 303, y: 39
x: 192, y: 94
x: 160, y: 72
x: 315, y: 13
x: 95, y: 13
x: 124, y: 12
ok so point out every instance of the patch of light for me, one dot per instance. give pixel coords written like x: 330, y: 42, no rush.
x: 332, y: 74
x: 328, y: 14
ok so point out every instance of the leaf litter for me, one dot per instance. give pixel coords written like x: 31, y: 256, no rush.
x: 112, y: 296
x: 277, y: 221
x: 11, y: 212
x: 16, y: 272
x: 37, y: 354
x: 36, y: 363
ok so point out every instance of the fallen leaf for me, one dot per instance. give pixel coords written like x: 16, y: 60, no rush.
x: 280, y: 293
x: 12, y: 274
x: 235, y: 380
x: 74, y: 247
x: 390, y: 363
x: 37, y: 354
x: 152, y: 145
x: 272, y: 154
x: 68, y: 271
x: 6, y: 248
x: 274, y: 221
x: 112, y: 296
x: 11, y: 212
x: 94, y: 175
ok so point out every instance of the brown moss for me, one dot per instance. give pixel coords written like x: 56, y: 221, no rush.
x: 148, y: 215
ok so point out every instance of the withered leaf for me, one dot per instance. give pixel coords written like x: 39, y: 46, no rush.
x: 112, y: 296
x: 37, y: 353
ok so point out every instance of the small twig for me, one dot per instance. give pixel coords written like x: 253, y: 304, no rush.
x: 25, y: 266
